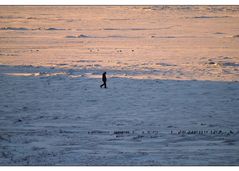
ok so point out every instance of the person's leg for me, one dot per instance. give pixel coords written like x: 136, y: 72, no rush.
x: 101, y: 85
x: 105, y: 84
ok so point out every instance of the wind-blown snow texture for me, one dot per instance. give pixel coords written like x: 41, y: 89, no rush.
x: 65, y: 120
x: 173, y: 96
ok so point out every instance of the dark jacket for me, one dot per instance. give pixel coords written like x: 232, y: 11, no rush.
x: 104, y: 77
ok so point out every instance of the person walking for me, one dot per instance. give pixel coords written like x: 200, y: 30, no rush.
x: 104, y: 79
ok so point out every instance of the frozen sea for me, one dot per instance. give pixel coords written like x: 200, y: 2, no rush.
x: 172, y: 96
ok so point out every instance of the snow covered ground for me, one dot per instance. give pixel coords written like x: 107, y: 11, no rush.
x: 67, y: 119
x: 172, y: 96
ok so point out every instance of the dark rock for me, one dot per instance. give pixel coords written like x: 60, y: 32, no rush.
x: 211, y: 63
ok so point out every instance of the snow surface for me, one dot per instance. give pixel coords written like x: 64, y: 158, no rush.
x: 172, y: 96
x: 63, y: 120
